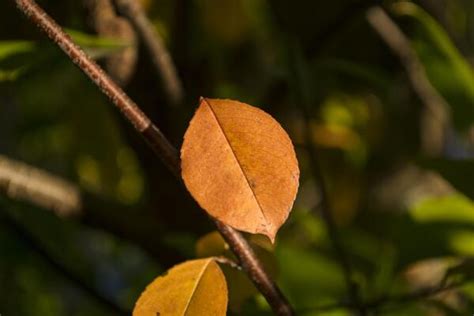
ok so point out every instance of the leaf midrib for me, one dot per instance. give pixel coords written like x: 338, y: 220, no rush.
x: 198, y: 280
x: 236, y: 158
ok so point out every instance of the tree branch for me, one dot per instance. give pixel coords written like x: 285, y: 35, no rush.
x: 167, y: 153
x: 23, y: 182
x: 419, y: 294
x: 20, y: 181
x: 383, y: 301
x: 120, y: 65
x: 253, y: 267
x: 347, y: 15
x: 158, y: 52
x: 436, y: 116
x: 298, y: 66
x: 327, y: 215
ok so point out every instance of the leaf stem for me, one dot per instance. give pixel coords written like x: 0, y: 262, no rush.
x: 250, y: 263
x: 158, y: 142
x: 228, y: 262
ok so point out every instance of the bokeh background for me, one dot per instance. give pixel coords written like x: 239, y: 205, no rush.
x: 378, y: 98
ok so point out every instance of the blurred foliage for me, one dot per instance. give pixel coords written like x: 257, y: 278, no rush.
x: 447, y: 69
x: 314, y: 65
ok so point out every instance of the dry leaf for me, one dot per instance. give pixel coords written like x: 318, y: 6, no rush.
x: 240, y: 166
x: 193, y: 288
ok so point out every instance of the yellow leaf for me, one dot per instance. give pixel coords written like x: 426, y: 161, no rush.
x: 240, y: 166
x: 239, y: 285
x: 210, y: 245
x: 193, y: 288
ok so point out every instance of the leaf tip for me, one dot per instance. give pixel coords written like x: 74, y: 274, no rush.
x: 272, y: 238
x: 202, y: 99
x: 270, y: 232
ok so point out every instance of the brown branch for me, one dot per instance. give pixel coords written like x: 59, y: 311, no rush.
x: 23, y: 182
x: 419, y: 294
x: 392, y: 300
x: 436, y: 116
x: 250, y: 264
x: 31, y: 241
x: 159, y: 144
x: 159, y: 54
x: 327, y: 214
x: 20, y: 181
x: 344, y: 19
x: 120, y: 65
x: 298, y: 66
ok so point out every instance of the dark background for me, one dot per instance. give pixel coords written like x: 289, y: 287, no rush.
x: 400, y: 178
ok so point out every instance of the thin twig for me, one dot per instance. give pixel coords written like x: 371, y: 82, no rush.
x: 159, y: 54
x: 436, y: 118
x: 298, y: 65
x: 327, y: 215
x: 302, y: 91
x: 393, y: 300
x: 121, y: 64
x: 159, y: 144
x: 31, y: 241
x: 416, y: 295
x: 328, y: 32
x: 21, y: 181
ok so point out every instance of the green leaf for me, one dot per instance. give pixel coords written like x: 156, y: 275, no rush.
x: 454, y: 208
x: 84, y: 39
x: 95, y: 46
x: 456, y: 213
x: 310, y: 278
x: 10, y: 48
x: 446, y: 68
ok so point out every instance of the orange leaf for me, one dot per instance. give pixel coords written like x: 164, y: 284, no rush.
x: 195, y: 287
x: 240, y: 166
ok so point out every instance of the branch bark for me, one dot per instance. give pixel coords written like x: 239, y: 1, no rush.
x: 397, y: 299
x: 435, y: 119
x: 159, y: 54
x: 20, y: 181
x: 298, y: 65
x: 120, y: 65
x: 23, y: 182
x: 163, y: 148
